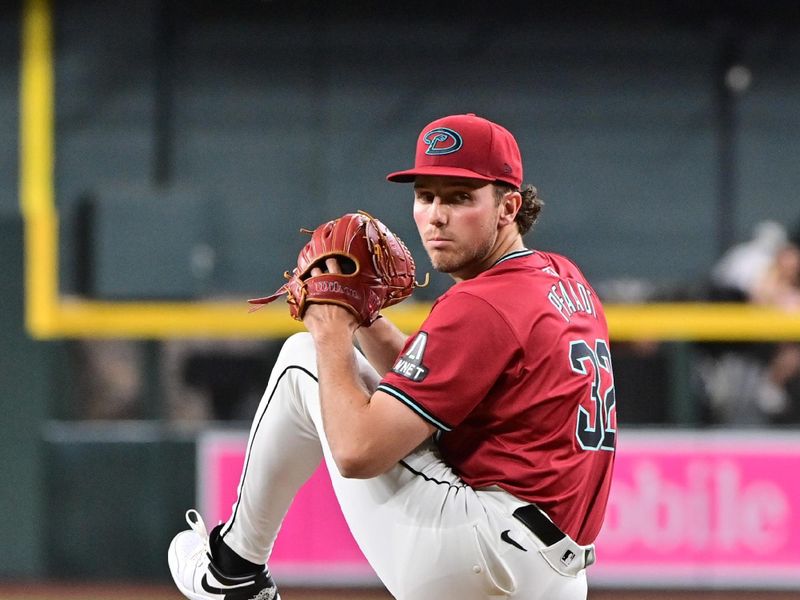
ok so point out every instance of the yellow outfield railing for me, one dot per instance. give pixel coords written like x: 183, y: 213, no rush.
x: 70, y: 318
x: 48, y: 315
x: 37, y: 202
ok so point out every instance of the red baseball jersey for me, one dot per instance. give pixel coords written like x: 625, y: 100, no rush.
x: 514, y: 369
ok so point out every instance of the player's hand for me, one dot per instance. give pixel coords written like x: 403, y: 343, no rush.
x: 321, y: 318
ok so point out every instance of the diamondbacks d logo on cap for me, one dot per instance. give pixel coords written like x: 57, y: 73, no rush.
x: 442, y: 141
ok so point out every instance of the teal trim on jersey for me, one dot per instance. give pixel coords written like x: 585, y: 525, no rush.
x: 394, y: 392
x: 515, y: 254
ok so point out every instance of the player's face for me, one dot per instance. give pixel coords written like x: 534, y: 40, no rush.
x: 457, y: 220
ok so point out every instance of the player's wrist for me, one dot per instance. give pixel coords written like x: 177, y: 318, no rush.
x: 329, y: 322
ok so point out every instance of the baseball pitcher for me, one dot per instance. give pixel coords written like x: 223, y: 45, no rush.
x: 472, y: 459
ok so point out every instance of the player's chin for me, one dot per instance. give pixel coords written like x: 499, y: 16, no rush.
x: 443, y: 262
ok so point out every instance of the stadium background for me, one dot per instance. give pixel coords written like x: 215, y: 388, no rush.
x: 158, y: 178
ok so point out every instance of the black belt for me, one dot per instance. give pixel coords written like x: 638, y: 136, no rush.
x: 542, y: 527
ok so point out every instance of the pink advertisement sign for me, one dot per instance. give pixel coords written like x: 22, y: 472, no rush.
x: 687, y: 509
x: 703, y: 509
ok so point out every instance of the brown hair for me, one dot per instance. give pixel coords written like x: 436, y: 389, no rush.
x: 531, y: 204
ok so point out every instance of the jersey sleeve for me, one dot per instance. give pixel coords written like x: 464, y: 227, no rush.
x: 449, y: 366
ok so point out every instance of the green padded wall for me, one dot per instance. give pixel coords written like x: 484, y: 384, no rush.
x: 24, y: 393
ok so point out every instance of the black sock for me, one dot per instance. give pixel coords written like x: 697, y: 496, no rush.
x: 227, y: 561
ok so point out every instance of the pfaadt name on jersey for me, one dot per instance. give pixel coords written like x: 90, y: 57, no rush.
x: 570, y: 297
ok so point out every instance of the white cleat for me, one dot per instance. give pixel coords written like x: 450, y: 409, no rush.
x: 198, y: 579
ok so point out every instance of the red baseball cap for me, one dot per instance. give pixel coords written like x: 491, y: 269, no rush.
x: 465, y: 146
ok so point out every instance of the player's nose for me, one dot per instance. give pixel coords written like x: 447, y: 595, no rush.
x: 437, y: 212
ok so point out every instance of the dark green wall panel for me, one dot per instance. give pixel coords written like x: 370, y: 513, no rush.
x: 115, y: 501
x: 24, y: 395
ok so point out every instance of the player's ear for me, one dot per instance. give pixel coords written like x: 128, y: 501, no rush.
x: 509, y: 206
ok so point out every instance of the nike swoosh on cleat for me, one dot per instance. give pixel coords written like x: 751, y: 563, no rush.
x: 215, y: 590
x: 507, y: 539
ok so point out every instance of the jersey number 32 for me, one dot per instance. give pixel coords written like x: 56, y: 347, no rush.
x: 596, y: 429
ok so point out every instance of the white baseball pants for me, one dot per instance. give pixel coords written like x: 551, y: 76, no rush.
x: 427, y: 534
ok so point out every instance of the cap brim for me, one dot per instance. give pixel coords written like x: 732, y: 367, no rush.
x: 409, y: 175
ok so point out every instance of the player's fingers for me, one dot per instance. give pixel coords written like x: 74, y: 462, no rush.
x: 333, y: 265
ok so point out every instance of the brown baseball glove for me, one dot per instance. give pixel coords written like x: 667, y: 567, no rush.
x: 377, y: 269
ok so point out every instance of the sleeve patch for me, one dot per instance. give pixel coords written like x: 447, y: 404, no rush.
x: 409, y: 364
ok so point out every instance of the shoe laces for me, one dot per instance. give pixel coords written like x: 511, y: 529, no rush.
x: 195, y: 521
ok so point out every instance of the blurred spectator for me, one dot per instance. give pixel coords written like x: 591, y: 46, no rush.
x: 760, y: 383
x: 109, y: 383
x: 779, y: 284
x: 736, y: 274
x: 197, y: 379
x: 215, y: 379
